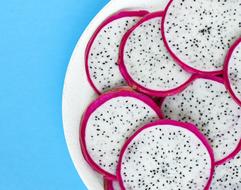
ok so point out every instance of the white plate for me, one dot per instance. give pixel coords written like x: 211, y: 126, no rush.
x: 77, y: 93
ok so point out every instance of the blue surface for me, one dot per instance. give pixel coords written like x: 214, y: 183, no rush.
x: 37, y: 38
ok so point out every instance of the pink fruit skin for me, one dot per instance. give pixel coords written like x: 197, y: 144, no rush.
x: 108, y: 185
x: 225, y: 71
x: 231, y: 156
x: 127, y: 76
x: 92, y: 107
x: 115, y: 16
x: 187, y: 126
x: 220, y: 80
x: 181, y: 63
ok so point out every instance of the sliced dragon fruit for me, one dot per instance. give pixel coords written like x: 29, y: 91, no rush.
x: 112, y: 185
x: 232, y: 71
x: 102, y: 51
x: 145, y: 63
x: 166, y: 155
x: 228, y: 175
x: 108, y: 122
x: 199, y: 33
x: 207, y: 104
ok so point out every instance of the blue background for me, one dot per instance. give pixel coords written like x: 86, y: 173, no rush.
x: 37, y: 38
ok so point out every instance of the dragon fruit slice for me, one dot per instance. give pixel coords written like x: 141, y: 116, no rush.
x: 145, y: 63
x: 199, y: 33
x: 207, y: 104
x: 166, y: 155
x: 228, y: 175
x: 103, y: 49
x: 232, y: 71
x: 112, y: 185
x: 108, y: 122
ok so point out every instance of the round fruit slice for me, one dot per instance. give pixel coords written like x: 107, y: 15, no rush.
x: 199, y: 33
x: 207, y: 104
x: 145, y: 63
x: 108, y: 122
x: 232, y: 71
x: 102, y: 51
x: 166, y: 155
x: 228, y: 175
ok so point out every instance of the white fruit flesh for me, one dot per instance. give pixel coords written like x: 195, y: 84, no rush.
x: 228, y: 175
x: 207, y: 104
x: 147, y: 60
x: 165, y: 157
x: 103, y: 55
x: 234, y: 71
x: 200, y: 32
x: 110, y: 125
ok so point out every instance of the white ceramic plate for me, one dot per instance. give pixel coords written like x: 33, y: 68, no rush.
x: 77, y: 93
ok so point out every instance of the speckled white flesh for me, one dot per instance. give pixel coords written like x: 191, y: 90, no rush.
x: 103, y: 55
x: 168, y: 158
x: 228, y: 175
x: 207, y: 104
x: 234, y: 71
x: 200, y: 32
x: 147, y: 60
x: 111, y: 124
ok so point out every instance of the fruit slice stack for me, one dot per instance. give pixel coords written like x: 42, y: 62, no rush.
x: 168, y: 115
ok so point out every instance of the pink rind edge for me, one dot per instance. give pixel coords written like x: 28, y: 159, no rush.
x: 219, y: 80
x: 97, y: 103
x: 130, y: 81
x: 118, y: 15
x: 225, y: 71
x: 108, y: 185
x: 184, y: 65
x: 190, y: 127
x: 231, y: 156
